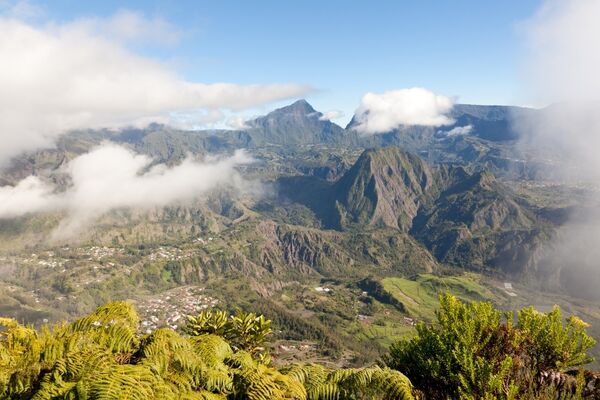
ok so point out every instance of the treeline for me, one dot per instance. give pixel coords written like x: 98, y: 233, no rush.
x: 473, y: 351
x: 376, y: 290
x: 292, y: 327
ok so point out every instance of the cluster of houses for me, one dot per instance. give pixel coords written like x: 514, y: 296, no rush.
x: 99, y: 252
x: 170, y: 308
x: 167, y: 253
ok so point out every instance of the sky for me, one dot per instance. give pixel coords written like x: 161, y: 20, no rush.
x: 468, y: 50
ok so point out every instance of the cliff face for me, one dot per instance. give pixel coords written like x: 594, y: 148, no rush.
x: 477, y: 222
x: 385, y: 187
x: 464, y: 219
x: 480, y: 203
x: 292, y: 249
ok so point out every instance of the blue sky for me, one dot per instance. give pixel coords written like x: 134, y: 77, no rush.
x: 458, y: 48
x: 464, y: 49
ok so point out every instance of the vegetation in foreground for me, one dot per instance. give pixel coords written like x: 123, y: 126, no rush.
x: 102, y: 356
x: 477, y: 352
x: 473, y: 351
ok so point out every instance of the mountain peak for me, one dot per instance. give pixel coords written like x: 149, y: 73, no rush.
x: 297, y: 123
x: 300, y: 106
x: 385, y: 187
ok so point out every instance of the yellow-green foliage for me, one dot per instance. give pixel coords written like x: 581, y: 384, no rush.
x: 101, y: 356
x: 354, y: 383
x: 477, y: 352
x: 244, y: 331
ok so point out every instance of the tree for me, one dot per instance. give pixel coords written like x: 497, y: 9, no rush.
x: 244, y: 331
x: 477, y: 352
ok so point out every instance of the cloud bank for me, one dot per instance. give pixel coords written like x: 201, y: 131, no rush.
x: 562, y: 68
x: 382, y: 112
x: 112, y: 177
x: 58, y: 78
x: 563, y: 59
x: 236, y: 122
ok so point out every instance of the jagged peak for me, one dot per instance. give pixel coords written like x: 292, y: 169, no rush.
x: 388, y: 161
x: 390, y: 155
x: 300, y: 106
x: 297, y: 123
x: 384, y: 187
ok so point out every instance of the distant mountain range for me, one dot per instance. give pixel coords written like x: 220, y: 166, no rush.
x: 336, y: 210
x: 464, y: 219
x: 481, y: 137
x: 298, y: 123
x: 432, y: 186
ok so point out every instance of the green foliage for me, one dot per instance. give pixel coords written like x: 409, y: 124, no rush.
x: 420, y: 294
x: 477, y: 352
x: 244, y: 331
x: 101, y: 356
x: 552, y: 344
x: 378, y: 292
x: 352, y: 384
x: 292, y: 327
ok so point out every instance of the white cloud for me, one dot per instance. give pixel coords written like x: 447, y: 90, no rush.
x: 333, y: 114
x: 112, y: 177
x: 237, y: 122
x: 29, y: 195
x: 64, y: 77
x: 563, y: 58
x: 458, y: 131
x: 132, y: 26
x: 22, y: 9
x: 562, y: 68
x: 382, y: 112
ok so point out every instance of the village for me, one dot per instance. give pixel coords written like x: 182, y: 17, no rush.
x: 170, y: 308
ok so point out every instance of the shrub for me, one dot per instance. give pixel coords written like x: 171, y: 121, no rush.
x: 477, y: 352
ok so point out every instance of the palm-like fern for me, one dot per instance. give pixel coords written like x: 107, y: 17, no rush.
x: 244, y: 331
x: 353, y: 383
x: 101, y: 356
x: 254, y: 380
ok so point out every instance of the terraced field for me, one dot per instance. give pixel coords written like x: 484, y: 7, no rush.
x: 420, y: 295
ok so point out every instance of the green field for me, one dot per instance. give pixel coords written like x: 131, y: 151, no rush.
x: 420, y: 296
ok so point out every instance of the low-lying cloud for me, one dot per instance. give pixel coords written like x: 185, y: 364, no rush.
x: 112, y: 177
x: 563, y: 56
x: 236, y: 122
x: 61, y: 77
x: 383, y: 112
x: 561, y: 69
x: 458, y: 131
x: 332, y: 114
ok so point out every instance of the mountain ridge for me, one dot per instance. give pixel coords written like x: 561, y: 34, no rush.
x: 297, y: 123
